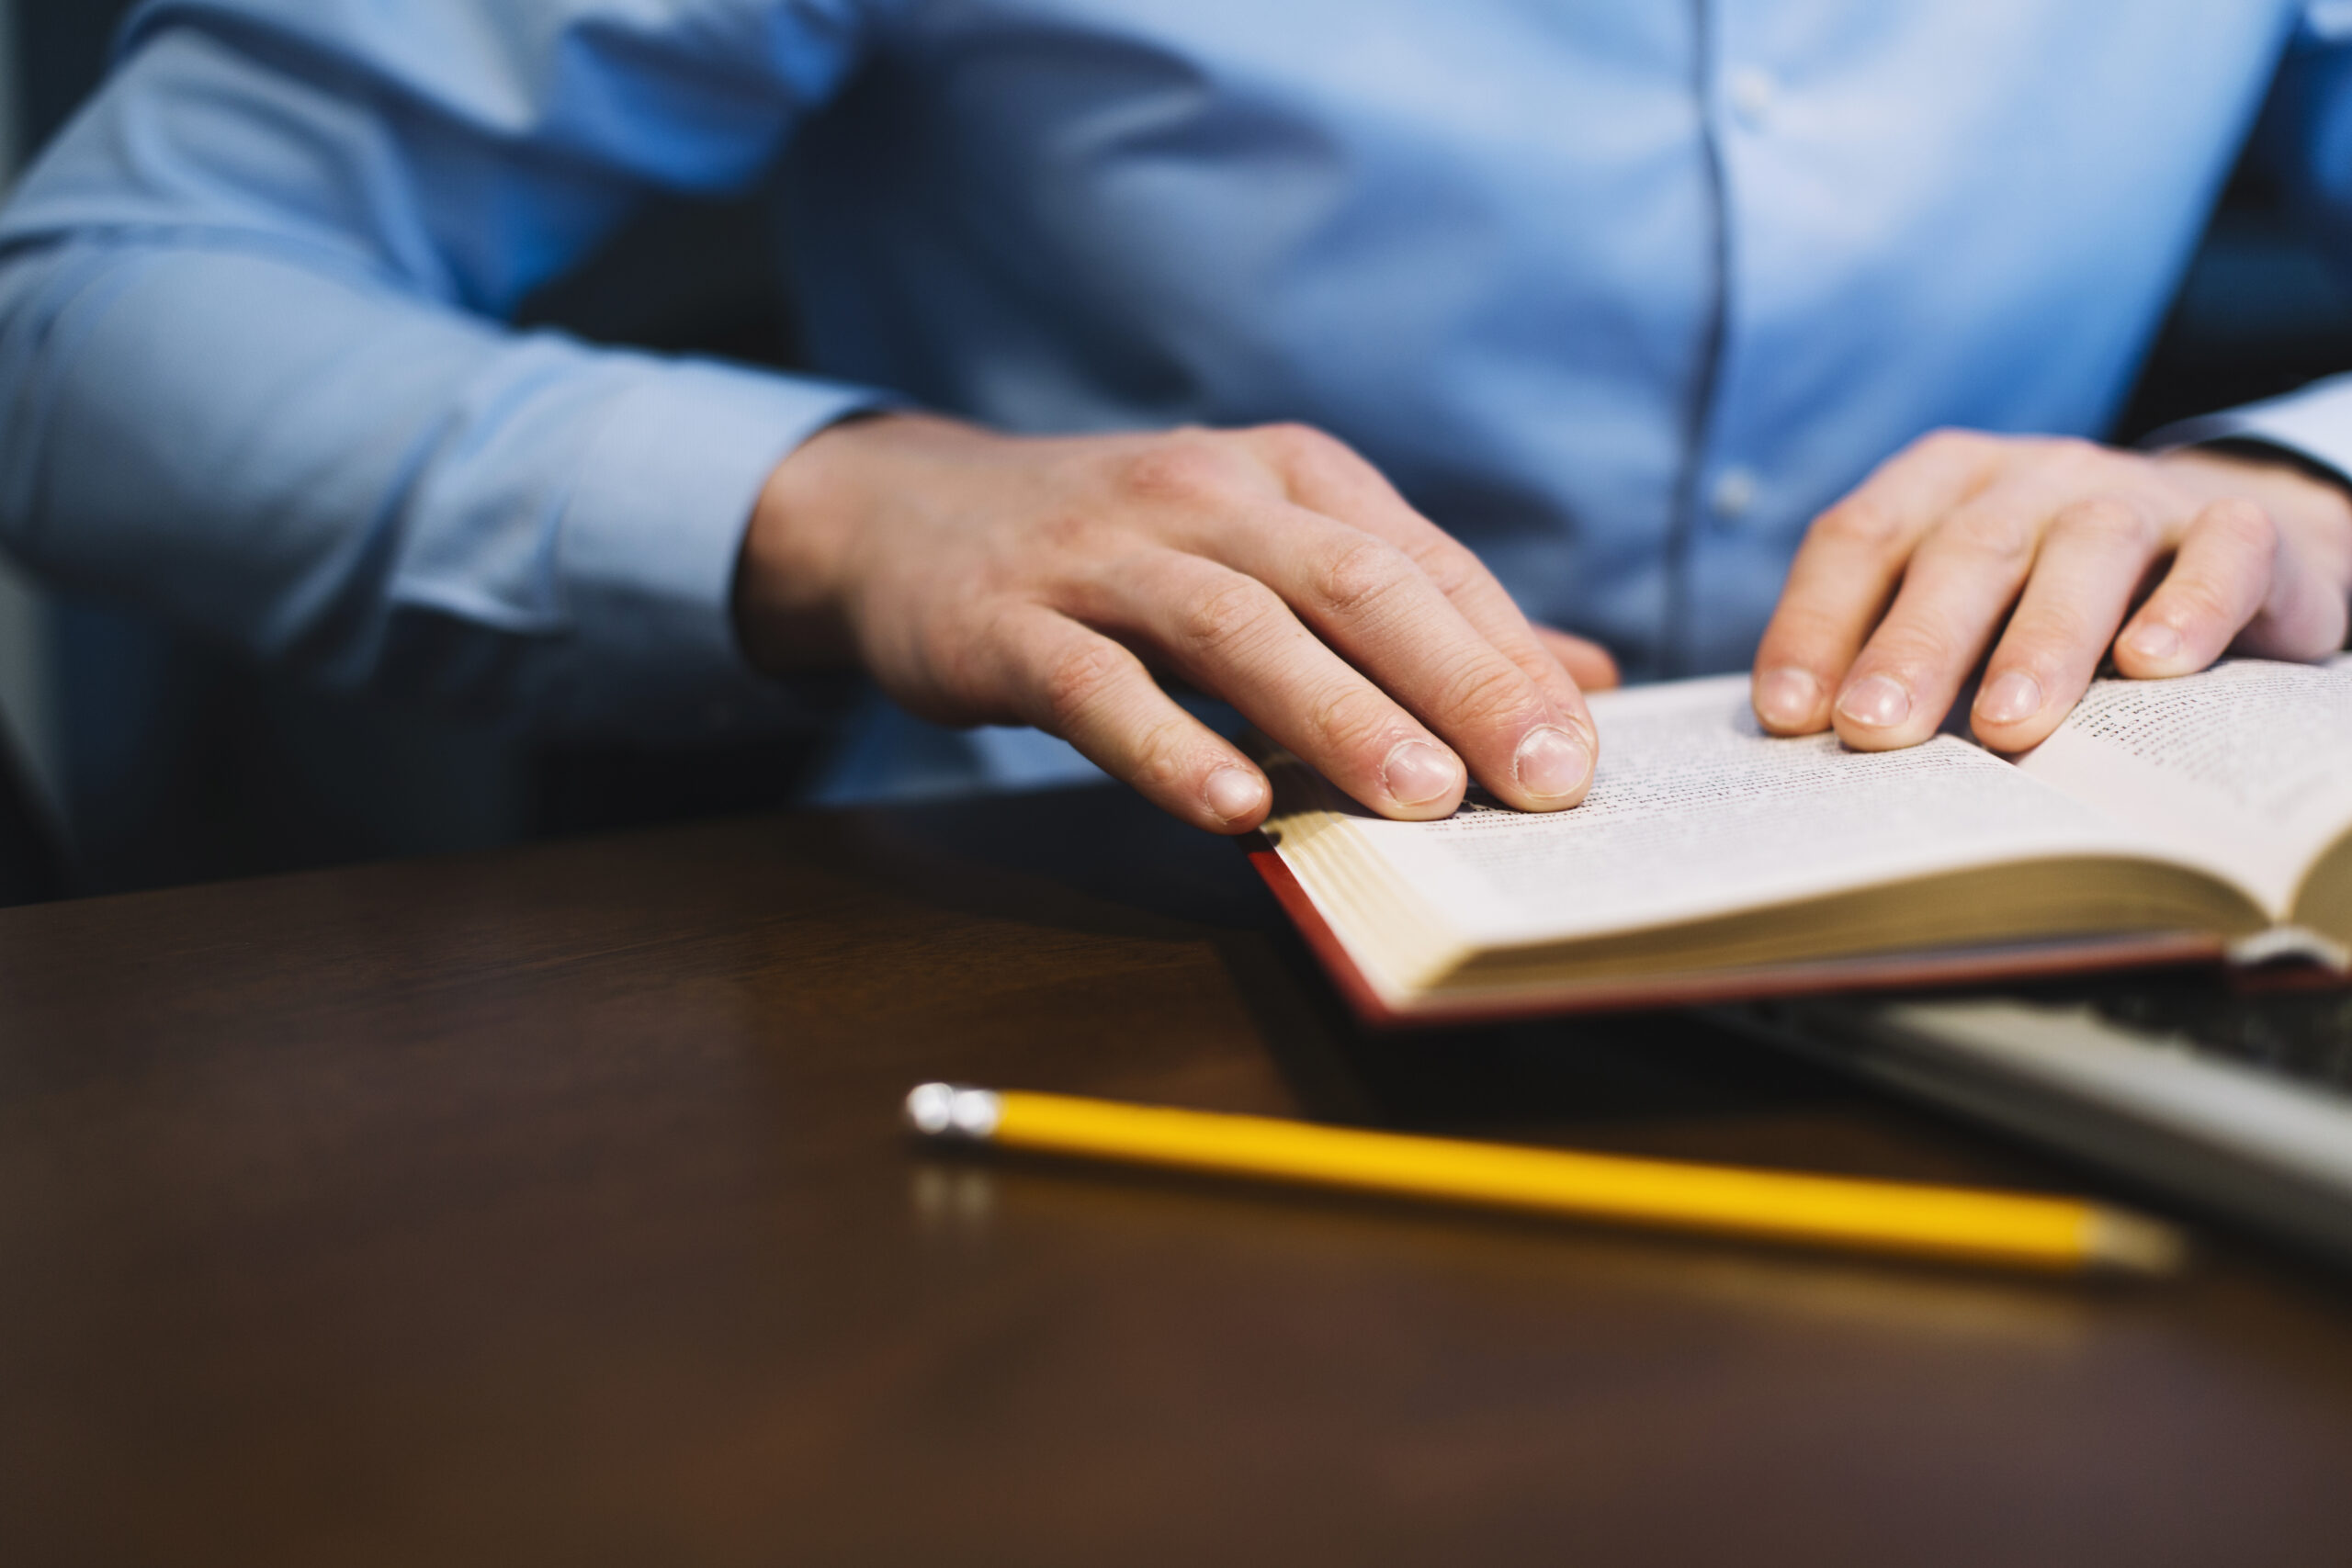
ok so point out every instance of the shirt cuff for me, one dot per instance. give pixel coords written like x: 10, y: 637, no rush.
x: 2314, y: 424
x: 654, y: 526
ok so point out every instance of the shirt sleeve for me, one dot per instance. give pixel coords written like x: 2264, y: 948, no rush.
x: 2304, y: 140
x: 253, y: 373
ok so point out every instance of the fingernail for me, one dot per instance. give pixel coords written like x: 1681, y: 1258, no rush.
x: 1787, y: 697
x: 1878, y: 701
x: 1552, y: 762
x: 1417, y: 772
x: 2154, y: 639
x: 1234, y: 793
x: 2013, y: 696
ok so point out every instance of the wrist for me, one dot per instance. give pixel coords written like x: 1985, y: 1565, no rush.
x: 2298, y: 493
x: 790, y: 603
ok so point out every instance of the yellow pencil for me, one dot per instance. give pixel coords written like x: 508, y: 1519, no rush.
x: 2051, y: 1234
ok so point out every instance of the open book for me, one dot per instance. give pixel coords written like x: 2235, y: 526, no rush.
x: 2209, y: 817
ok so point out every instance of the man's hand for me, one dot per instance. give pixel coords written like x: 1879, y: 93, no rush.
x: 989, y: 578
x: 1900, y: 588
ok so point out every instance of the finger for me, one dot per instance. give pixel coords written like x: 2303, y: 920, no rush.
x: 1529, y: 740
x: 1232, y: 636
x: 1846, y: 569
x: 1589, y: 664
x: 2091, y: 562
x: 2303, y: 616
x: 1960, y: 583
x: 1088, y: 690
x: 1325, y: 475
x: 2230, y: 581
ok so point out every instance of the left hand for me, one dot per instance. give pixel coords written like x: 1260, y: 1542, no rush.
x: 2044, y: 544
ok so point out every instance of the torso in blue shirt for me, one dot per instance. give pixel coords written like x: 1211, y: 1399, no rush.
x: 1622, y: 291
x: 1622, y: 294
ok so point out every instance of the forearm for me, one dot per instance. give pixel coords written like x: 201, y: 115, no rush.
x: 384, y: 492
x: 253, y: 373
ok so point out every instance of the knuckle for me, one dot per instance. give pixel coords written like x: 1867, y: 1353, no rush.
x: 2076, y: 452
x: 1446, y: 562
x: 1160, y: 757
x: 1947, y: 440
x: 1488, y: 692
x: 1347, y: 718
x: 2109, y: 522
x: 1220, y: 617
x: 1175, y: 469
x: 1802, y: 630
x: 1914, y: 644
x: 1861, y: 524
x: 1305, y: 453
x: 1912, y: 661
x: 2202, y: 601
x: 2245, y: 526
x: 2055, y: 632
x: 2082, y: 464
x: 964, y: 659
x: 1359, y: 574
x: 1997, y: 534
x: 1067, y: 533
x: 1291, y: 439
x: 1076, y: 680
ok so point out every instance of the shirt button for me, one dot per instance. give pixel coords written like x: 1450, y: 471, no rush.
x: 1750, y: 91
x: 1733, y: 493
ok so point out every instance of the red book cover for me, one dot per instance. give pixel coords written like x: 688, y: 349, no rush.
x: 1882, y: 972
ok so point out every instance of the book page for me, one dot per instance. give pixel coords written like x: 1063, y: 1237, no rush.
x: 1695, y: 811
x: 2246, y: 769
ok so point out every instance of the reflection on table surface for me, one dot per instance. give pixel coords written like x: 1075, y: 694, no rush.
x: 551, y: 1205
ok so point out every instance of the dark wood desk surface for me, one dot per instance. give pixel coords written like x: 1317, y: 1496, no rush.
x: 548, y: 1207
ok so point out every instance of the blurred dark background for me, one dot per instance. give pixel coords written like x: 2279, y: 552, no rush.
x: 175, y: 762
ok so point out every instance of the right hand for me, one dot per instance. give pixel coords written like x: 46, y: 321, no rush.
x: 987, y: 578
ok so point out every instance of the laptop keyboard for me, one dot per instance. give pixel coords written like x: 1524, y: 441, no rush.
x: 2304, y: 1034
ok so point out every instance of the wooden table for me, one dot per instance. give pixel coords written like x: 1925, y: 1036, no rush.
x: 548, y: 1207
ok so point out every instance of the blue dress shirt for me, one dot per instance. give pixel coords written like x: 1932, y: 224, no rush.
x: 1620, y: 291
